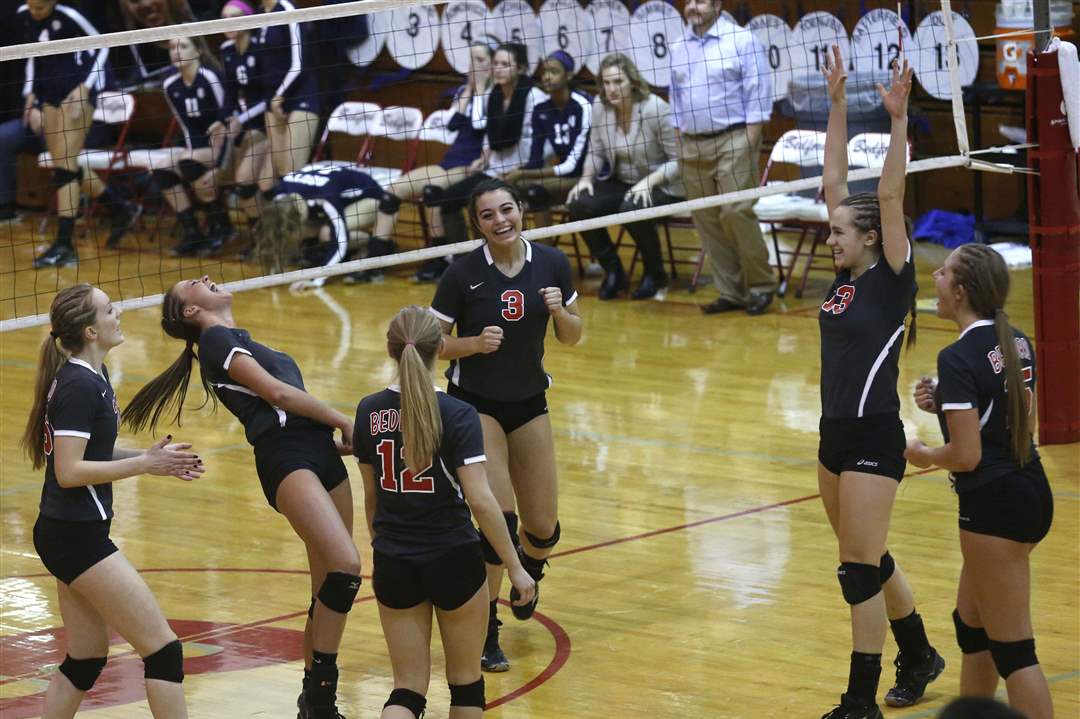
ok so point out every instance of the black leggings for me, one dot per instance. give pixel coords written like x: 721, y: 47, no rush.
x: 608, y: 198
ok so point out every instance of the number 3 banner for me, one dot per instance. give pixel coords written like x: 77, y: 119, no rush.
x: 656, y: 25
x: 414, y: 35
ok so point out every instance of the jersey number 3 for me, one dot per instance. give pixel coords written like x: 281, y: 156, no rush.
x: 404, y: 480
x: 840, y: 300
x: 515, y: 305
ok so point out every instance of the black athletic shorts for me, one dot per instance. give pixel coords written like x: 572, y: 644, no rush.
x: 872, y: 445
x: 447, y: 582
x: 509, y: 415
x: 278, y: 454
x: 67, y: 549
x: 1018, y: 506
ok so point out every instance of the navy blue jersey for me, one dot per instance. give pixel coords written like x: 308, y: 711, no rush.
x: 971, y: 375
x: 562, y: 133
x: 53, y: 77
x: 244, y: 95
x: 418, y: 517
x: 81, y: 403
x: 328, y: 188
x: 862, y: 330
x: 217, y: 347
x: 469, y: 142
x: 196, y: 106
x: 282, y: 56
x: 473, y: 294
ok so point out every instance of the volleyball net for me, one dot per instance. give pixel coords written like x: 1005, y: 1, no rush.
x: 167, y: 145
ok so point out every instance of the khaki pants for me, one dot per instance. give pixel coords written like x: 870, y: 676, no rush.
x: 729, y: 233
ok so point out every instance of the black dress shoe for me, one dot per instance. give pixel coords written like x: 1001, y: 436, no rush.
x: 614, y: 282
x: 649, y: 287
x: 57, y: 255
x: 720, y: 305
x: 759, y: 302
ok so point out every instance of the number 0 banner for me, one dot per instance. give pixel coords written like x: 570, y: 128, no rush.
x: 775, y: 36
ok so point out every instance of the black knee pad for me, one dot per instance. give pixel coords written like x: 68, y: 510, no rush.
x: 61, y: 176
x: 432, y: 194
x: 311, y: 609
x: 1011, y: 656
x: 971, y: 640
x: 858, y: 582
x: 467, y: 695
x: 338, y: 591
x: 537, y: 197
x: 246, y: 192
x: 166, y: 664
x: 548, y: 543
x: 191, y: 170
x: 413, y: 701
x: 82, y: 673
x: 886, y: 567
x: 389, y: 203
x: 490, y: 555
x: 166, y: 179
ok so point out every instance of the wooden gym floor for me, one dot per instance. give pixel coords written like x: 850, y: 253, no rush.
x: 696, y: 574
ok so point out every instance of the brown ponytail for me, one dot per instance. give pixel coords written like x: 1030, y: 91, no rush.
x: 413, y: 340
x: 985, y: 278
x: 168, y: 390
x: 70, y: 314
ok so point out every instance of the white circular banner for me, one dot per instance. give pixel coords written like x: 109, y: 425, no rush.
x: 463, y: 22
x: 931, y: 59
x: 879, y: 38
x: 656, y: 25
x: 515, y: 21
x: 413, y: 35
x: 775, y: 36
x: 365, y: 53
x: 610, y: 31
x: 812, y: 41
x: 559, y: 23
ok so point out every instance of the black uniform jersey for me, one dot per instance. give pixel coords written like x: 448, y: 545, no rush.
x: 282, y: 56
x: 418, y: 517
x: 474, y: 294
x: 81, y: 403
x: 971, y: 375
x: 862, y: 330
x: 328, y: 188
x: 196, y: 106
x: 562, y: 133
x: 217, y: 347
x: 52, y: 77
x: 244, y: 95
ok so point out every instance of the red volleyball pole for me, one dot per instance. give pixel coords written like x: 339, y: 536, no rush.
x: 1054, y: 235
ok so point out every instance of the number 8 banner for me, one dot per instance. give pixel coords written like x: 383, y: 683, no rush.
x: 656, y: 25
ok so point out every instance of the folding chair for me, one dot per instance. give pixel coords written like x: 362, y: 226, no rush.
x: 355, y: 119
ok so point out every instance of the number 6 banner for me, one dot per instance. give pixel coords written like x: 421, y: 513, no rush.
x: 656, y: 25
x: 560, y: 23
x: 413, y: 36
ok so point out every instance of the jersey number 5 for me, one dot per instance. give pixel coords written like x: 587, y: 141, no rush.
x: 403, y: 480
x: 515, y: 305
x: 840, y: 300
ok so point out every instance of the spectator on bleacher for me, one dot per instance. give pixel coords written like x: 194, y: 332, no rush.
x: 560, y: 137
x: 507, y: 130
x: 66, y: 85
x: 633, y: 137
x: 339, y: 199
x: 196, y: 97
x: 721, y: 96
x: 245, y: 107
x: 290, y: 89
x: 429, y: 181
x: 147, y: 64
x: 20, y: 128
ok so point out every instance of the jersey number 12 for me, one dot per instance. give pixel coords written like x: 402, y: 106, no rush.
x: 403, y: 480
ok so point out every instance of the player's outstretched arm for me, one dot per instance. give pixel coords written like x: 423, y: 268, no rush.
x: 894, y: 241
x: 834, y: 174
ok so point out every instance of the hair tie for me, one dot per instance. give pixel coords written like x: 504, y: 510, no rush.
x: 563, y: 58
x: 410, y: 343
x: 241, y: 6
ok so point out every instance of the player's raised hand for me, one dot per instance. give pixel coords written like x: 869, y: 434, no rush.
x: 924, y: 395
x: 895, y: 99
x: 489, y: 340
x: 835, y: 76
x: 552, y: 299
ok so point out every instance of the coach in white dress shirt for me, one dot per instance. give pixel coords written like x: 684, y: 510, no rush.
x: 721, y: 97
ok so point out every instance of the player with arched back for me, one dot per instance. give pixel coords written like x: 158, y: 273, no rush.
x: 983, y: 401
x: 72, y: 433
x: 501, y: 297
x: 66, y: 85
x: 861, y: 450
x: 296, y: 457
x: 290, y: 90
x: 421, y: 454
x: 196, y: 96
x: 341, y: 199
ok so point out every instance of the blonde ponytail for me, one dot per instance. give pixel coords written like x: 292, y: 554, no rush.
x: 413, y: 340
